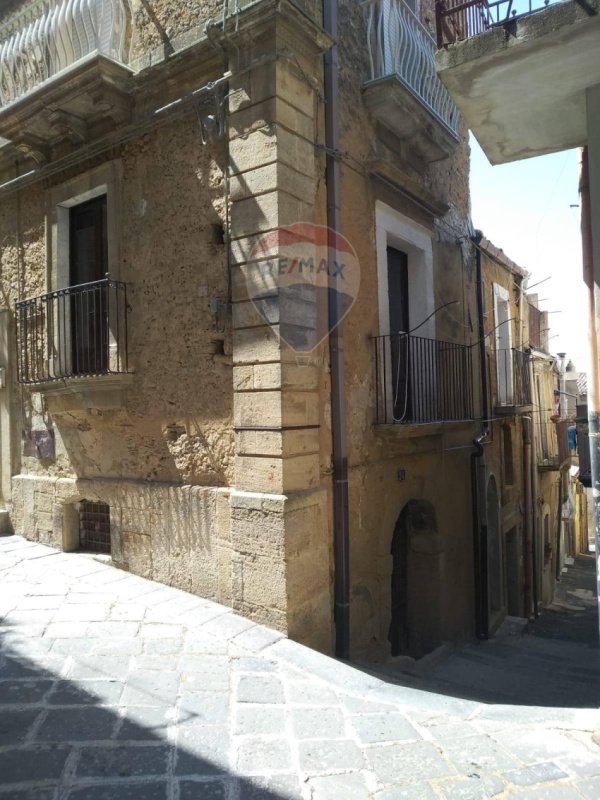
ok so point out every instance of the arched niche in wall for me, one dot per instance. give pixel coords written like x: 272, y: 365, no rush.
x: 416, y: 581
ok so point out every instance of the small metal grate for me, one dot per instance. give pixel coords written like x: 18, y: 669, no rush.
x: 94, y: 527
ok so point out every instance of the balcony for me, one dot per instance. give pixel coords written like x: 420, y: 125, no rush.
x: 515, y: 93
x: 456, y: 20
x: 420, y: 381
x: 403, y: 91
x: 79, y: 332
x: 513, y: 387
x: 63, y: 71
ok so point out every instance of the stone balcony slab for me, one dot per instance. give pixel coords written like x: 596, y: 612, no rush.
x: 92, y: 95
x: 397, y: 107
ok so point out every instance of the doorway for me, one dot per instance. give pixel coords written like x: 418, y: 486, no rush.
x: 397, y: 265
x: 512, y: 568
x: 415, y: 620
x: 88, y: 266
x: 398, y: 632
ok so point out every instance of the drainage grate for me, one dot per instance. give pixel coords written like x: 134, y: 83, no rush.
x: 94, y: 527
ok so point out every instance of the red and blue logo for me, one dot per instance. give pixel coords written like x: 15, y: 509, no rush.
x: 303, y: 279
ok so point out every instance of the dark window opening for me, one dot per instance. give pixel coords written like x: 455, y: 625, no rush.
x: 94, y: 527
x: 397, y: 263
x: 507, y: 452
x: 88, y: 264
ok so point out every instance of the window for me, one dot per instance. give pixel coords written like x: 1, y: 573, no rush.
x: 87, y: 307
x: 504, y: 363
x: 94, y: 527
x: 507, y: 453
x: 397, y: 272
x: 535, y: 327
x: 88, y: 267
x: 542, y: 411
x: 406, y: 302
x: 397, y: 232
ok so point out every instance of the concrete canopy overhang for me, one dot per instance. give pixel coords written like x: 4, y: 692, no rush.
x: 522, y: 90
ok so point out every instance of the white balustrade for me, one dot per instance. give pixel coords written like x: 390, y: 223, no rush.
x: 51, y: 35
x: 398, y: 43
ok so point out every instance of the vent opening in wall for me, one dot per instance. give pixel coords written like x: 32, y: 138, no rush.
x: 94, y: 527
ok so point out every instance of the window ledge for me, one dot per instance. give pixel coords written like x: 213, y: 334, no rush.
x: 99, y: 392
x: 423, y: 429
x: 511, y: 411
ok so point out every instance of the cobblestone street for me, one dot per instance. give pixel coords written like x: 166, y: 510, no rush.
x: 116, y: 688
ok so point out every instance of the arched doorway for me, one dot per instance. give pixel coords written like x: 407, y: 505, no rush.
x: 415, y: 574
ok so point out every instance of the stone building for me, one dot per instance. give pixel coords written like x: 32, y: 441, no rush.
x: 167, y: 397
x: 527, y: 455
x: 551, y: 480
x: 507, y: 459
x: 548, y: 100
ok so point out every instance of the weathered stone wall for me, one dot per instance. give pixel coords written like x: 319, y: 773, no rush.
x: 157, y: 455
x: 280, y: 516
x: 174, y: 266
x: 547, y: 483
x: 177, y: 421
x: 178, y: 535
x: 434, y: 462
x: 12, y: 8
x: 511, y: 495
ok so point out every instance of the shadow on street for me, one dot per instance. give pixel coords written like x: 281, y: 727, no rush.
x: 553, y: 661
x: 61, y: 742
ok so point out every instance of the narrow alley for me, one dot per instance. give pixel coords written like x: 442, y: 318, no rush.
x: 117, y: 688
x: 553, y: 661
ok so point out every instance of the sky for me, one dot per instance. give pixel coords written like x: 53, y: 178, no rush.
x: 524, y: 208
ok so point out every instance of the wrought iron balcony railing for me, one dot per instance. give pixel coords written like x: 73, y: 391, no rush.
x: 80, y: 331
x: 49, y: 36
x: 399, y: 44
x: 421, y: 380
x: 513, y: 379
x: 456, y: 20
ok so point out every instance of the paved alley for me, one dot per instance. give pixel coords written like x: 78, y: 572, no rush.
x: 116, y: 688
x: 553, y: 661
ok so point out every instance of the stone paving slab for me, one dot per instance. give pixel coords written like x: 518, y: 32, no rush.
x: 116, y: 688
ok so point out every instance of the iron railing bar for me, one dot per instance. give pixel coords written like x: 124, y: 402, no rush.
x: 71, y: 327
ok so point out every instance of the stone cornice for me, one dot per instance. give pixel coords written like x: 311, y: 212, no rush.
x: 406, y: 186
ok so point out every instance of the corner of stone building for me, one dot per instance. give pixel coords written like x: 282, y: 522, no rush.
x: 280, y: 532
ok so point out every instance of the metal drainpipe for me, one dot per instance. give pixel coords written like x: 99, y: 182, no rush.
x: 594, y: 326
x: 479, y: 545
x: 341, y: 536
x: 528, y: 538
x: 477, y: 459
x: 535, y: 561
